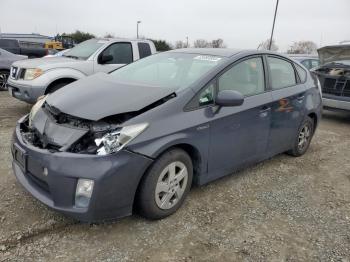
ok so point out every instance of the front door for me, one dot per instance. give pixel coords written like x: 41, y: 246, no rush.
x: 239, y: 135
x: 120, y: 53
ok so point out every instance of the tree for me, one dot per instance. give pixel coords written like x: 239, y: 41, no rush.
x: 109, y: 35
x: 181, y: 44
x: 161, y: 45
x: 264, y: 45
x: 201, y: 43
x: 302, y: 47
x: 218, y: 43
x: 79, y: 36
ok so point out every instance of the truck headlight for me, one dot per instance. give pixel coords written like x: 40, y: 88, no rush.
x: 36, y: 107
x: 83, y: 192
x: 115, y: 141
x: 32, y: 73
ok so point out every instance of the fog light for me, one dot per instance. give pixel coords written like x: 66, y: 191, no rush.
x: 83, y: 192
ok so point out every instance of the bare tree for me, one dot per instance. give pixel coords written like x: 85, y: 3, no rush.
x: 264, y: 45
x: 218, y: 43
x: 302, y: 47
x: 201, y: 43
x: 180, y: 44
x: 109, y: 35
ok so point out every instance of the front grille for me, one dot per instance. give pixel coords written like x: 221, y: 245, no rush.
x: 336, y: 87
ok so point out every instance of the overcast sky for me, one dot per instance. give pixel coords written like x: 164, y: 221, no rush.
x: 242, y: 23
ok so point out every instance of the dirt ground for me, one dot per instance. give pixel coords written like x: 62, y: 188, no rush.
x: 284, y: 209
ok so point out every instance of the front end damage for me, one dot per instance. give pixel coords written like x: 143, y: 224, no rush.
x: 334, y: 76
x: 57, y: 156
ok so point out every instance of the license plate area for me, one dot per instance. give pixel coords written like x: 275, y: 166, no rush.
x: 20, y: 156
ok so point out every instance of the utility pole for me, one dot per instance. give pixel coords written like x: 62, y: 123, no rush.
x: 186, y: 41
x: 137, y: 29
x: 273, y: 25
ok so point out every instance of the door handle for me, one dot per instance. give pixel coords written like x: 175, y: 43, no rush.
x: 300, y: 98
x: 264, y: 111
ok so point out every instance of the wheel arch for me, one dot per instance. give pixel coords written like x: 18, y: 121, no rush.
x: 314, y: 117
x: 193, y: 153
x: 66, y: 80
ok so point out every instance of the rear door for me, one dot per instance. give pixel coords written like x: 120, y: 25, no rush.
x: 288, y: 94
x: 239, y: 135
x: 121, y: 53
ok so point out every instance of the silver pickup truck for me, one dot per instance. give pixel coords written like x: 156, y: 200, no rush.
x: 33, y: 78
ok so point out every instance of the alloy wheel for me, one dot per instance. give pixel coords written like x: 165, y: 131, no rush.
x: 3, y: 80
x: 304, y: 137
x: 171, y: 185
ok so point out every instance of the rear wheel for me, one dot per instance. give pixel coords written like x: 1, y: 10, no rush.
x: 166, y: 185
x: 4, y: 75
x: 303, y: 139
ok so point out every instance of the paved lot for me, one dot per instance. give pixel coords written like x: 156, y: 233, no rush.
x: 284, y: 209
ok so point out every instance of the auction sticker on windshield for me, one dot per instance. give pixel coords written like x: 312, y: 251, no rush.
x: 207, y: 58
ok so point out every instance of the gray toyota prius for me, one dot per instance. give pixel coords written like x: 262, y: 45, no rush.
x: 138, y: 138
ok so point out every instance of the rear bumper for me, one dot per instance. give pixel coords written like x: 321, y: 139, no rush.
x: 334, y: 102
x: 116, y: 178
x: 26, y: 93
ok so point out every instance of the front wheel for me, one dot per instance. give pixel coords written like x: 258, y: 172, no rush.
x: 303, y: 139
x: 4, y: 75
x: 166, y: 185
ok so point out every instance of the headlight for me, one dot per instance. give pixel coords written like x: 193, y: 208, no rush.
x: 32, y: 73
x: 115, y: 141
x: 83, y: 192
x: 36, y: 108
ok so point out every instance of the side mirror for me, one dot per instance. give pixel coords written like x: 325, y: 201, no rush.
x: 102, y: 59
x: 229, y: 98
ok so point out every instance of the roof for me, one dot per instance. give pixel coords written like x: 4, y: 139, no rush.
x: 13, y: 35
x: 226, y: 52
x: 343, y: 46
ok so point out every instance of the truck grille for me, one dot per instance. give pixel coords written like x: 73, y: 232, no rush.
x: 336, y: 87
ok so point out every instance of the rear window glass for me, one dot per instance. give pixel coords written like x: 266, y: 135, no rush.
x: 144, y: 49
x: 301, y: 72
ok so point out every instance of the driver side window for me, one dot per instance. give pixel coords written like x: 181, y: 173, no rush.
x: 246, y: 77
x: 121, y: 53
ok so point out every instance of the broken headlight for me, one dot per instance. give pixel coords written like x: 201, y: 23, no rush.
x: 41, y: 100
x: 116, y: 140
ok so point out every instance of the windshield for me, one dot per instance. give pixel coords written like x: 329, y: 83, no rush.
x: 85, y: 49
x: 168, y: 69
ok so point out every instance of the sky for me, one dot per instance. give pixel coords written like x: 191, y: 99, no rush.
x: 241, y: 23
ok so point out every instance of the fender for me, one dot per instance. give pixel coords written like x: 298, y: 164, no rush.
x: 60, y: 73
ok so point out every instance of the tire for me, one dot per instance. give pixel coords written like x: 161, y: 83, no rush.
x: 162, y: 191
x: 303, y: 138
x: 4, y: 75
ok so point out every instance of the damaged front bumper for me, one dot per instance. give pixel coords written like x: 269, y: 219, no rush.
x: 115, y: 177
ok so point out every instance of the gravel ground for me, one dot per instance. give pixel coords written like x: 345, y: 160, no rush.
x: 284, y: 209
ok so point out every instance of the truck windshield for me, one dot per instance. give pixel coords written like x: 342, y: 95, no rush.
x: 169, y: 69
x: 85, y: 49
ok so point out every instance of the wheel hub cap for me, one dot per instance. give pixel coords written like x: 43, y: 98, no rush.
x: 171, y: 185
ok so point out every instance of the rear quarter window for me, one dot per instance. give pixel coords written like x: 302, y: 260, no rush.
x: 144, y: 49
x: 301, y: 72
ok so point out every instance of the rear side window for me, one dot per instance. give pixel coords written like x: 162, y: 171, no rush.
x: 121, y: 53
x: 301, y: 72
x: 282, y: 73
x: 144, y: 49
x: 314, y: 63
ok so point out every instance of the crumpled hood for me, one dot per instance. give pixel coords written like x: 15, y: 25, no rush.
x: 334, y: 53
x: 46, y: 63
x: 99, y: 96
